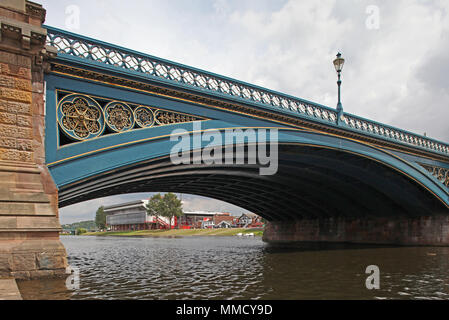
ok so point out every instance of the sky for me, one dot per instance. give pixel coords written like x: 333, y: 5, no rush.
x: 396, y: 54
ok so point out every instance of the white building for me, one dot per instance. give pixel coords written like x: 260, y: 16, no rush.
x: 133, y: 216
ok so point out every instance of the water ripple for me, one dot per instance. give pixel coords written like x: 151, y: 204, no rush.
x: 234, y: 268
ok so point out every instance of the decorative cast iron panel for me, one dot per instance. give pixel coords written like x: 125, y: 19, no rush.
x: 144, y: 116
x: 167, y: 117
x: 441, y: 174
x: 80, y: 117
x: 83, y: 117
x: 119, y: 116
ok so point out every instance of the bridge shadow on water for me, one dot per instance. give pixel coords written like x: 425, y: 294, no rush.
x: 322, y: 246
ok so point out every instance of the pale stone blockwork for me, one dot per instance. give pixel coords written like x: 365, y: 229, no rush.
x: 29, y: 222
x: 9, y: 289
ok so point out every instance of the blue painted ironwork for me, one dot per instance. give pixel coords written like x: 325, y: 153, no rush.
x: 80, y: 117
x: 119, y: 116
x: 96, y: 161
x: 77, y: 48
x: 144, y: 116
x: 441, y: 174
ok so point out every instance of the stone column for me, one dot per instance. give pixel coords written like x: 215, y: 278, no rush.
x: 29, y: 222
x: 407, y: 231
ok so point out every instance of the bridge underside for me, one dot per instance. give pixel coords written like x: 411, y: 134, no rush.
x: 318, y: 194
x: 311, y: 182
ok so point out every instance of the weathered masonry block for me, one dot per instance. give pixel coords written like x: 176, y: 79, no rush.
x: 431, y: 231
x: 29, y: 222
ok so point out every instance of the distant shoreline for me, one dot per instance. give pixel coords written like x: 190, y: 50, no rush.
x: 175, y: 233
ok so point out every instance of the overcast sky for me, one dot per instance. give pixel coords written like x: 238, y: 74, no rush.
x: 397, y: 53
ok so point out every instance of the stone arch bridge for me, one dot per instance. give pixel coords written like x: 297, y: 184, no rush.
x: 81, y: 119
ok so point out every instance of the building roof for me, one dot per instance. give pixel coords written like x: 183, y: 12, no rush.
x: 201, y: 213
x: 249, y: 215
x: 126, y: 205
x: 223, y: 221
x: 221, y: 218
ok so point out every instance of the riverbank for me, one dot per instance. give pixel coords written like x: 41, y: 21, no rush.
x: 180, y: 232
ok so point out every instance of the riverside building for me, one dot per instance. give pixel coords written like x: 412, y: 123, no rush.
x: 133, y: 216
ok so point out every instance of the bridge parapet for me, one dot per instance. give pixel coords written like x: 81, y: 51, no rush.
x: 79, y: 49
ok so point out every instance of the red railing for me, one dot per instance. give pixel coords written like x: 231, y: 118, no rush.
x: 162, y: 222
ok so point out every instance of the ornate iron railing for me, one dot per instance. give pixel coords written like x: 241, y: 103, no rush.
x: 73, y: 45
x: 391, y: 133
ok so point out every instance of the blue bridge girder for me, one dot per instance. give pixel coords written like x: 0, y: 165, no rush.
x: 110, y: 112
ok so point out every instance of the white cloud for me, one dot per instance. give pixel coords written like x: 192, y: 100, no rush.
x: 86, y: 210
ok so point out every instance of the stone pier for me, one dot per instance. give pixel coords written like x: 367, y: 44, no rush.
x: 29, y: 222
x: 419, y: 231
x: 9, y: 290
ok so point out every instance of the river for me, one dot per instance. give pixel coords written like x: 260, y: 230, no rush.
x: 242, y: 268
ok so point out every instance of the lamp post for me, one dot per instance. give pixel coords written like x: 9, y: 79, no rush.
x: 338, y: 64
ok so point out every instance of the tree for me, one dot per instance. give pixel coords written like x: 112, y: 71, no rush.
x: 80, y: 231
x: 153, y: 206
x: 172, y: 206
x: 168, y: 206
x: 100, y: 218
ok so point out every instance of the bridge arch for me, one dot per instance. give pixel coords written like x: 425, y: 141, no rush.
x: 333, y: 170
x: 319, y: 176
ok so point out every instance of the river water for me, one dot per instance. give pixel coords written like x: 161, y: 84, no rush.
x: 242, y: 268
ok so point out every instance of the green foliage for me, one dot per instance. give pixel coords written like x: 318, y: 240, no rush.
x: 89, y: 225
x: 154, y: 205
x: 80, y: 231
x: 168, y: 206
x: 100, y: 218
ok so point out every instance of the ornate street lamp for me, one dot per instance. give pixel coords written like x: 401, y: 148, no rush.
x: 338, y: 64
